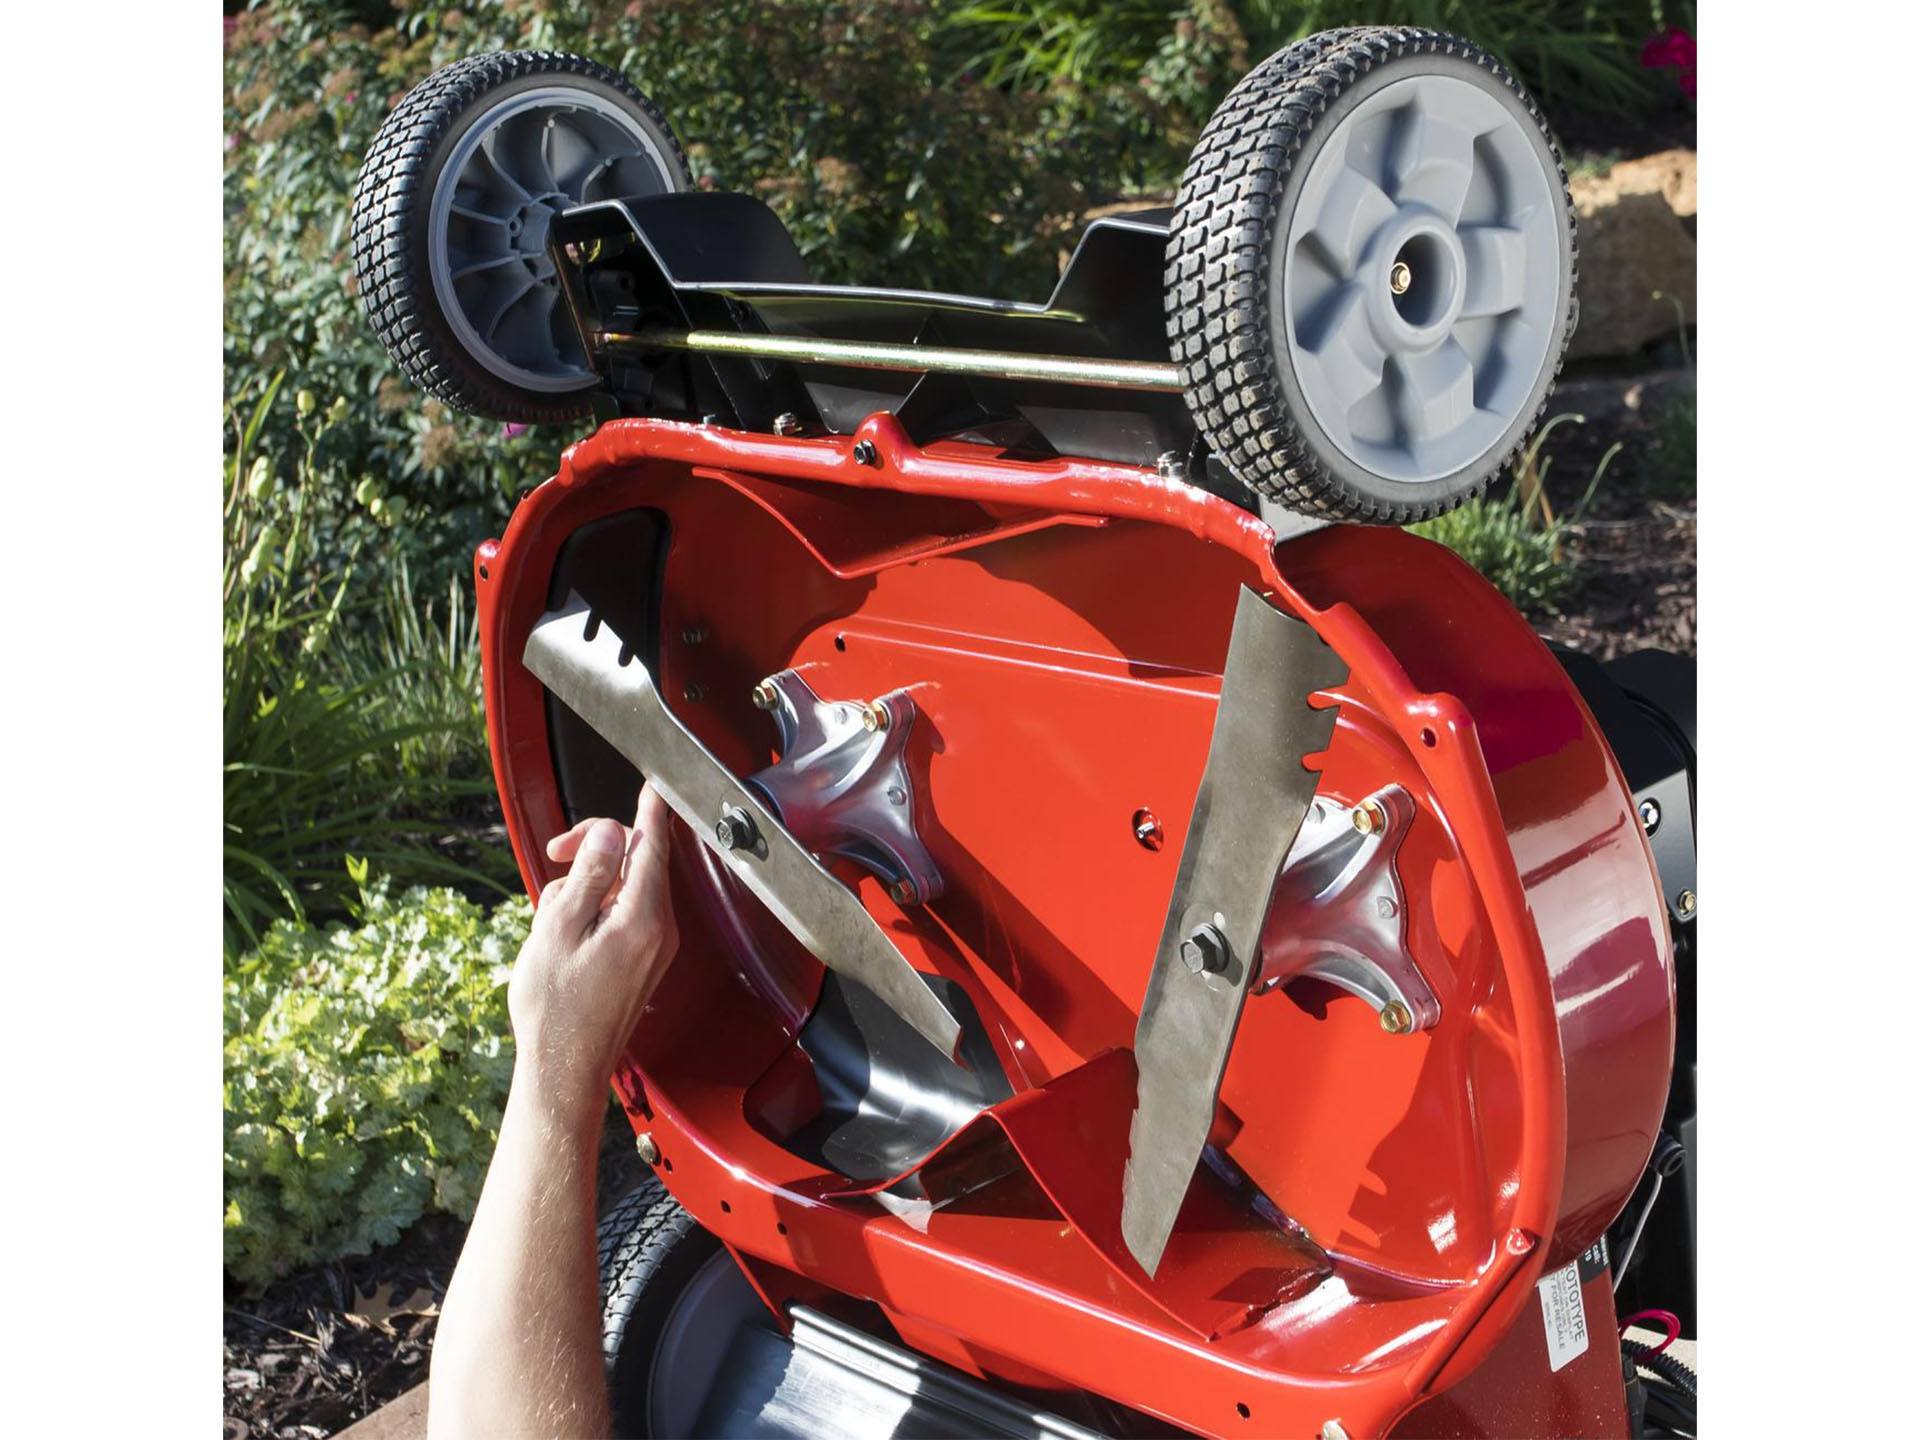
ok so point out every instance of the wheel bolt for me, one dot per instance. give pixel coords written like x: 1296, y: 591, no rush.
x: 1400, y: 277
x: 1649, y: 816
x: 903, y: 892
x: 1395, y: 1018
x: 766, y: 695
x: 648, y: 1151
x: 865, y: 452
x: 874, y: 717
x: 1687, y: 903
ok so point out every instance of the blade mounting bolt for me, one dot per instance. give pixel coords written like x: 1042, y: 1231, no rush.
x: 903, y: 892
x: 1687, y: 903
x: 1649, y: 815
x: 1395, y: 1018
x: 874, y: 717
x: 735, y: 830
x: 865, y: 452
x: 766, y: 695
x: 648, y: 1151
x: 786, y: 423
x: 1400, y: 277
x: 1370, y: 817
x: 1205, y: 951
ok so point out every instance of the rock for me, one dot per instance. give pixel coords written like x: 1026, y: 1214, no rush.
x: 1634, y: 242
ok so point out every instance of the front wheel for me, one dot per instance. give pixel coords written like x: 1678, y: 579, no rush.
x: 1370, y: 274
x: 450, y: 218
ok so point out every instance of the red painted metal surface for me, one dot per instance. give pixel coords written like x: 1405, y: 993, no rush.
x: 1063, y: 625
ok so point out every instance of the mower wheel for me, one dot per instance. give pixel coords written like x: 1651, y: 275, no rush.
x: 450, y: 218
x: 1370, y: 274
x: 671, y: 1299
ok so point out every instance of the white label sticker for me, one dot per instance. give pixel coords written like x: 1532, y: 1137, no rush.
x: 1561, y: 1302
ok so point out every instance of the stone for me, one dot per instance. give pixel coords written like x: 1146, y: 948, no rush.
x: 1636, y: 249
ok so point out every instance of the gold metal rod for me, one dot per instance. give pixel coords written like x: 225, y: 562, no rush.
x: 877, y: 355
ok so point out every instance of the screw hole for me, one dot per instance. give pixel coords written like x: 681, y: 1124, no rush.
x: 781, y: 1226
x: 839, y: 642
x: 666, y: 1164
x: 1428, y: 738
x: 726, y: 1208
x: 483, y: 573
x: 1245, y: 1413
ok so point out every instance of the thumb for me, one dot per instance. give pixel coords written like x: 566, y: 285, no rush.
x: 596, y: 868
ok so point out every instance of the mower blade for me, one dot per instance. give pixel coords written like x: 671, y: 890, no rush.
x: 1252, y: 800
x: 581, y: 663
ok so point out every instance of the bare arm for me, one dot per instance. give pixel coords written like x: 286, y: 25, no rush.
x: 518, y: 1348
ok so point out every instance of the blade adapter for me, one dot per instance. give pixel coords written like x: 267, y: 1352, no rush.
x: 590, y: 671
x: 1253, y: 797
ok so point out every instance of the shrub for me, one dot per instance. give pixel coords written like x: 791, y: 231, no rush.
x: 366, y: 1073
x: 336, y: 740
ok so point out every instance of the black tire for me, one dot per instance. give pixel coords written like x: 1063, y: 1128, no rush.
x: 1237, y: 201
x: 391, y: 220
x: 649, y: 1250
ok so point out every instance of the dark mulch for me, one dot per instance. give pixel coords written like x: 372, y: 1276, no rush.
x: 325, y: 1347
x: 1633, y: 547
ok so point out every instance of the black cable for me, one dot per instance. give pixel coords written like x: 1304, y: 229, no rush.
x: 1668, y: 1367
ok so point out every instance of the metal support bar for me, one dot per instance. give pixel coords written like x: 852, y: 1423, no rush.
x: 588, y: 669
x: 926, y: 359
x: 1253, y: 797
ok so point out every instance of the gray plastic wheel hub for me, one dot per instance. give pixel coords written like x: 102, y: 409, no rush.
x: 1421, y: 278
x: 533, y: 155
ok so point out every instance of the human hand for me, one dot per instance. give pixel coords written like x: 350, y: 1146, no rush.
x: 601, y: 937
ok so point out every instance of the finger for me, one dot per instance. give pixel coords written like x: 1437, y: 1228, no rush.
x: 595, y: 870
x: 564, y: 846
x: 646, y: 875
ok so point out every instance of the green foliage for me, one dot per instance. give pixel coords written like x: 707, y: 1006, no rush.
x: 1673, y: 462
x: 1514, y: 539
x: 338, y: 739
x: 366, y: 1073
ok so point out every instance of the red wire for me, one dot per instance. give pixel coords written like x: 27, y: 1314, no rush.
x: 1668, y: 1321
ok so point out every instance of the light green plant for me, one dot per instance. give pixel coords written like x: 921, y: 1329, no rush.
x: 366, y: 1069
x: 1514, y: 539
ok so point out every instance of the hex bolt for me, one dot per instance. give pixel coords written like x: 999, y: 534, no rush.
x: 648, y: 1151
x: 1171, y: 465
x: 1395, y: 1018
x: 903, y: 892
x: 694, y: 692
x: 1370, y: 817
x: 766, y: 695
x: 1649, y: 816
x: 694, y: 635
x: 865, y: 452
x: 1687, y: 903
x: 786, y: 423
x: 1400, y: 277
x: 1205, y: 951
x: 1333, y: 1430
x: 874, y: 717
x: 735, y: 830
x: 1147, y: 829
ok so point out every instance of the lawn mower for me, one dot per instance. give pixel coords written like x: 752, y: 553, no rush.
x: 1163, y: 949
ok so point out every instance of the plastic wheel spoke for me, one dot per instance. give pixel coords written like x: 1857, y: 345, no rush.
x: 480, y: 217
x: 1349, y: 356
x: 1435, y: 391
x: 491, y: 263
x: 1431, y: 163
x: 1352, y: 209
x: 1496, y: 264
x: 514, y: 297
x: 490, y: 148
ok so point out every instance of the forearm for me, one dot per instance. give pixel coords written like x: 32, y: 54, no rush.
x: 518, y: 1347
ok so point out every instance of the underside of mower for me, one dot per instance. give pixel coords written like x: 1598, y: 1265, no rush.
x: 1152, y: 956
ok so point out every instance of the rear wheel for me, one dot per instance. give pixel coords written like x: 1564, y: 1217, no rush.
x: 672, y: 1299
x: 450, y: 219
x: 1370, y: 273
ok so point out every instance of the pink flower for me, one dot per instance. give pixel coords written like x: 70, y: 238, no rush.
x: 507, y: 432
x: 1675, y: 48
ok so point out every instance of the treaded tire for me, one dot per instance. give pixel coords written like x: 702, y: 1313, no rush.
x: 1235, y: 206
x: 391, y: 220
x: 649, y: 1251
